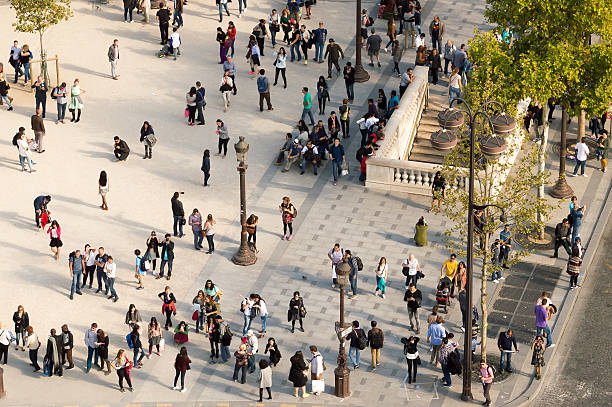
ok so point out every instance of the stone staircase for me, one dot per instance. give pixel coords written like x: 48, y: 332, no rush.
x: 422, y: 150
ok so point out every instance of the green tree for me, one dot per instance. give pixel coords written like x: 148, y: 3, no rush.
x: 36, y: 16
x: 492, y: 80
x: 554, y: 58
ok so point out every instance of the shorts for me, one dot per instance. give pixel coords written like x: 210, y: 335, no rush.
x: 55, y: 242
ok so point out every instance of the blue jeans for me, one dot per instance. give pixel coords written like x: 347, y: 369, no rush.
x: 319, y: 51
x: 575, y: 232
x: 6, y: 100
x: 225, y: 353
x: 178, y: 226
x: 349, y: 91
x: 111, y: 287
x: 76, y: 282
x: 579, y: 164
x: 295, y: 47
x: 101, y: 277
x: 453, y: 93
x: 61, y: 111
x: 273, y: 35
x: 541, y: 331
x: 447, y: 376
x: 200, y: 321
x: 178, y: 18
x: 336, y: 168
x: 508, y: 357
x: 127, y: 10
x: 240, y: 2
x: 138, y: 351
x: 221, y: 11
x: 247, y: 324
x: 308, y: 112
x: 197, y: 238
x: 496, y: 273
x: 314, y: 166
x: 26, y: 71
x: 353, y: 281
x: 354, y: 355
x: 163, y: 264
x: 91, y: 352
x: 437, y: 42
x: 264, y: 323
x: 23, y: 160
x: 20, y: 334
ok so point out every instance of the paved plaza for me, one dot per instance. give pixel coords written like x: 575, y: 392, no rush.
x: 368, y: 222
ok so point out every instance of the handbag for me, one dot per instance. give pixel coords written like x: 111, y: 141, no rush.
x: 418, y: 360
x: 186, y: 112
x: 194, y: 316
x: 318, y: 386
x: 420, y: 274
x: 302, y: 312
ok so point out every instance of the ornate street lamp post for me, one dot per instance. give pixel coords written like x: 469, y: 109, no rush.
x: 361, y: 75
x: 342, y: 373
x: 492, y: 145
x: 244, y: 256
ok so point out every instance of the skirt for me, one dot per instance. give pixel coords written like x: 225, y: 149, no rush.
x: 181, y: 338
x: 55, y: 242
x: 154, y: 340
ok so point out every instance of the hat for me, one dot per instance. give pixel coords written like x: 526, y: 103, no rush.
x: 296, y: 141
x: 250, y: 332
x: 331, y: 40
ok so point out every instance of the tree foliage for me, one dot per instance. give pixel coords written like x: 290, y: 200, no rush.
x: 36, y: 16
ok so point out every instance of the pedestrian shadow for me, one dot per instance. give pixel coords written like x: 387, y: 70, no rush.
x: 82, y: 70
x: 75, y: 201
x: 17, y: 219
x: 13, y: 165
x: 98, y: 154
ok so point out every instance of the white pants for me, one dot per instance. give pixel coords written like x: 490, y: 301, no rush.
x: 226, y: 98
x: 114, y: 68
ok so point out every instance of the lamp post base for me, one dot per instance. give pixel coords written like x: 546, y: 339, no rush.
x: 341, y: 376
x: 561, y: 189
x: 361, y: 75
x: 467, y: 396
x: 244, y: 257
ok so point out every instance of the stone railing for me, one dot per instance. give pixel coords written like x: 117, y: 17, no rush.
x: 401, y: 128
x: 404, y: 176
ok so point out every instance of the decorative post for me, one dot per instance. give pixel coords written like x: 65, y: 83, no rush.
x: 244, y: 256
x: 361, y: 75
x: 342, y: 373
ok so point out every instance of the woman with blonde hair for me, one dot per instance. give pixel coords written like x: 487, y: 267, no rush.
x: 209, y: 229
x: 123, y: 365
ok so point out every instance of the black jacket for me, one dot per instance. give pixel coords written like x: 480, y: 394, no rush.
x: 70, y: 343
x: 21, y: 323
x: 562, y: 231
x: 122, y: 146
x: 354, y: 336
x: 205, y: 164
x: 177, y: 207
x: 506, y: 342
x: 169, y: 248
x: 418, y: 299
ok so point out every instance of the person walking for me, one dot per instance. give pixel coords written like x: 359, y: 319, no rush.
x: 25, y: 56
x: 603, y: 144
x: 76, y: 101
x: 582, y: 153
x: 152, y: 253
x: 397, y: 51
x: 449, y: 269
x: 242, y: 361
x: 486, y: 377
x: 22, y: 321
x: 67, y: 343
x: 288, y: 213
x: 223, y: 138
x: 317, y: 366
x: 338, y: 159
x: 226, y: 86
x: 436, y: 31
x: 335, y: 255
x: 537, y: 357
x: 349, y: 81
x: 4, y: 88
x: 414, y: 299
x: 411, y: 269
x: 181, y: 365
x: 280, y: 63
x: 163, y: 16
x: 562, y: 237
x: 373, y: 44
x: 195, y: 221
x: 123, y: 365
x: 177, y: 18
x: 147, y: 137
x: 14, y: 60
x: 128, y: 6
x: 376, y: 339
x: 333, y: 52
x: 505, y: 342
x: 307, y: 106
x: 263, y: 87
x: 297, y: 311
x: 573, y: 267
x: 446, y: 349
x: 435, y: 64
x: 209, y: 230
x: 381, y: 272
x: 542, y: 317
x: 55, y: 233
x: 25, y: 154
x: 113, y: 55
x: 178, y: 214
x: 103, y: 188
x: 40, y: 94
x: 358, y: 342
x: 76, y: 265
x: 52, y: 355
x: 154, y: 335
x: 32, y: 344
x: 435, y: 334
x: 190, y: 99
x: 137, y: 346
x: 206, y: 167
x: 322, y: 94
x: 345, y: 115
x: 449, y: 50
x: 454, y: 86
x: 6, y: 337
x: 168, y: 305
x: 38, y: 126
x: 230, y: 66
x: 412, y: 358
x: 297, y: 374
x: 167, y: 256
x: 222, y: 5
x: 110, y: 268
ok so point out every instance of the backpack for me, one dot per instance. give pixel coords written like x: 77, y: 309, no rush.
x: 454, y: 364
x: 361, y: 151
x: 376, y: 340
x: 359, y: 263
x: 294, y: 211
x: 492, y: 370
x: 226, y: 338
x: 363, y: 341
x: 71, y: 256
x: 54, y: 92
x: 143, y: 266
x: 370, y: 21
x: 128, y: 339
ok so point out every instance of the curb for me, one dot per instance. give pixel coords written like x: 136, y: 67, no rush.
x: 527, y: 396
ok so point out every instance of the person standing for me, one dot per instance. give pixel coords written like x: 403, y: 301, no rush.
x: 195, y: 221
x: 288, y: 213
x: 181, y: 365
x: 103, y: 188
x: 178, y: 213
x: 128, y: 6
x: 113, y: 56
x: 178, y: 13
x: 435, y: 64
x: 168, y: 305
x: 4, y: 88
x: 223, y: 137
x: 155, y: 336
x: 333, y: 53
x: 25, y: 154
x: 338, y: 160
x: 356, y: 337
x: 577, y: 222
x: 603, y: 144
x: 505, y: 342
x: 297, y: 311
x: 352, y: 261
x: 175, y: 42
x: 200, y: 103
x: 573, y: 267
x: 263, y: 87
x: 436, y: 31
x: 102, y: 342
x: 459, y: 57
x: 163, y: 16
x: 317, y: 365
x: 41, y: 94
x: 230, y: 66
x: 190, y: 99
x: 14, y: 60
x: 264, y: 379
x: 414, y: 299
x: 53, y: 354
x: 297, y: 374
x: 582, y: 153
x: 242, y: 361
x: 505, y: 240
x: 373, y: 44
x: 110, y: 268
x: 137, y: 345
x: 209, y: 229
x: 294, y: 44
x: 32, y: 344
x: 67, y: 343
x: 397, y: 51
x: 141, y: 269
x: 537, y: 357
x: 376, y: 339
x: 411, y: 269
x: 76, y: 264
x: 335, y: 255
x: 206, y: 167
x: 435, y: 334
x: 100, y: 262
x: 463, y: 306
x: 147, y: 137
x: 382, y: 271
x: 231, y: 39
x: 227, y: 84
x: 319, y: 36
x: 486, y: 376
x: 225, y: 338
x: 122, y: 365
x: 60, y: 95
x: 92, y: 347
x: 542, y: 317
x: 152, y: 252
x: 349, y: 81
x: 76, y: 102
x: 280, y: 63
x: 412, y: 358
x: 307, y: 106
x: 222, y: 5
x: 167, y: 257
x: 449, y: 50
x: 274, y: 24
x: 55, y: 233
x: 39, y: 129
x: 22, y: 321
x: 345, y: 115
x: 454, y: 85
x: 562, y: 236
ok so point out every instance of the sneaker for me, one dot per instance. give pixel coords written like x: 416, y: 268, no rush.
x: 175, y: 388
x: 552, y: 345
x: 574, y: 175
x: 502, y: 278
x: 584, y: 175
x: 462, y: 329
x: 290, y: 237
x: 183, y: 390
x: 305, y: 395
x: 284, y: 237
x: 383, y: 296
x: 496, y: 281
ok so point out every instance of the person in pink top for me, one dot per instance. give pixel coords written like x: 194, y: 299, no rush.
x: 486, y: 376
x: 55, y: 232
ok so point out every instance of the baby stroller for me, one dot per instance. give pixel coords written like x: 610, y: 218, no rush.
x: 443, y: 293
x: 164, y: 52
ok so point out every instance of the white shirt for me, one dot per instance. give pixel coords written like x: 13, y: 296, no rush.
x: 253, y: 343
x: 412, y: 266
x: 314, y: 150
x: 316, y: 363
x: 91, y: 258
x: 582, y: 151
x: 263, y: 310
x: 249, y: 305
x: 6, y: 337
x: 229, y: 81
x: 110, y: 269
x: 23, y: 147
x: 382, y: 272
x: 175, y: 40
x: 419, y: 41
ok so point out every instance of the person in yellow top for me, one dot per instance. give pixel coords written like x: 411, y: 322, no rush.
x: 449, y: 269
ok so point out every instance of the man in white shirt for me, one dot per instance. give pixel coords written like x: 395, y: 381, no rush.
x: 420, y: 40
x: 582, y: 153
x: 92, y: 348
x: 175, y: 42
x: 25, y: 155
x: 317, y: 366
x: 246, y: 306
x: 336, y: 254
x: 407, y: 78
x: 110, y: 268
x: 310, y: 154
x: 6, y: 337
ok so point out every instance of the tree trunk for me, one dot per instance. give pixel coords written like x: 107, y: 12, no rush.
x: 44, y: 72
x: 581, y: 123
x: 542, y: 161
x: 483, y: 302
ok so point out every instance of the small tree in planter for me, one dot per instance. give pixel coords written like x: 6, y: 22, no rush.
x: 36, y: 16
